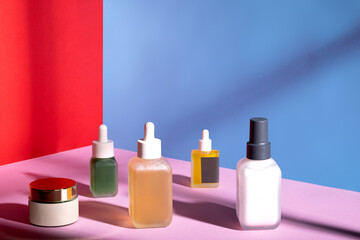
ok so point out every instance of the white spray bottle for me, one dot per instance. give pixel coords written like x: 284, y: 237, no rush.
x: 258, y: 196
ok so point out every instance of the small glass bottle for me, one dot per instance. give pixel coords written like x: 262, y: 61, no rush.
x: 205, y: 164
x: 258, y: 196
x: 103, y: 166
x: 150, y: 184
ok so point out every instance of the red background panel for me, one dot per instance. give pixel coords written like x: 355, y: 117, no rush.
x: 50, y: 76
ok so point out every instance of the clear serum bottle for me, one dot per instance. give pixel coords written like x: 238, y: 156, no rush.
x: 103, y: 166
x: 150, y: 184
x: 258, y: 204
x: 205, y: 164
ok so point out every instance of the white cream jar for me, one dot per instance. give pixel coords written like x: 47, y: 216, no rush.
x: 53, y: 202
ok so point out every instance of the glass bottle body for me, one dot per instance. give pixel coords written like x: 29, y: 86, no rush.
x: 103, y: 177
x: 204, y: 169
x: 150, y: 192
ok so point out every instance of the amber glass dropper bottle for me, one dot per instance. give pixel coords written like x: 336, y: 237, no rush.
x: 205, y: 164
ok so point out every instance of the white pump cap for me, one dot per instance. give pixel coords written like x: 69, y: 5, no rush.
x: 149, y: 147
x: 205, y: 141
x: 103, y: 148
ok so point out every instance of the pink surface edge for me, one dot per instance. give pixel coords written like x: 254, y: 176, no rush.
x: 308, y: 211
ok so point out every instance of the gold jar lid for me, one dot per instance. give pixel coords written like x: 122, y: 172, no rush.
x: 52, y: 190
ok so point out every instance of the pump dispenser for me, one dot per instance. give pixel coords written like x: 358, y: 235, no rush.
x: 258, y: 196
x: 150, y: 183
x: 205, y: 164
x: 103, y: 166
x: 258, y: 147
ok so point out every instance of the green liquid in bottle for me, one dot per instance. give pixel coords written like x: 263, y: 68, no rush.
x: 103, y: 177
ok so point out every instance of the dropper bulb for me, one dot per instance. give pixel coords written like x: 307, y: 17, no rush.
x: 149, y: 131
x: 205, y: 134
x: 149, y: 147
x: 205, y: 141
x: 103, y: 133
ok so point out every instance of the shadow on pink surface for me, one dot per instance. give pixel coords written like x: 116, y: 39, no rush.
x: 84, y: 190
x: 223, y: 216
x: 293, y: 220
x: 15, y: 212
x: 96, y: 210
x: 182, y: 180
x: 19, y: 213
x: 208, y: 212
x: 106, y: 213
x: 12, y: 232
x: 216, y: 211
x: 202, y: 205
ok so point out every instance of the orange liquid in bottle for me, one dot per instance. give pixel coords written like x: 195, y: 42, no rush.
x: 150, y: 192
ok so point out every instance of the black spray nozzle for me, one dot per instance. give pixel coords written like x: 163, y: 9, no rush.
x: 258, y: 130
x: 258, y: 147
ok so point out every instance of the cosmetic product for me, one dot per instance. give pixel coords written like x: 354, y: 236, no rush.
x: 150, y: 184
x: 205, y: 164
x: 258, y: 182
x: 53, y: 202
x: 103, y: 166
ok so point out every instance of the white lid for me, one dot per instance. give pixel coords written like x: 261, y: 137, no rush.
x: 103, y: 148
x: 149, y: 147
x: 205, y: 141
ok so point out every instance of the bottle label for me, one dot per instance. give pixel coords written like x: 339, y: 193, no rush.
x: 210, y: 169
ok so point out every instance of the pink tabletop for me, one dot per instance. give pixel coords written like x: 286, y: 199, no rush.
x: 308, y: 211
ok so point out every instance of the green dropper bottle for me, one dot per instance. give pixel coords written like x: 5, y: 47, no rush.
x: 103, y: 166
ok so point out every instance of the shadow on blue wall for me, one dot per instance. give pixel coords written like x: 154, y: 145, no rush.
x: 257, y: 90
x: 207, y: 64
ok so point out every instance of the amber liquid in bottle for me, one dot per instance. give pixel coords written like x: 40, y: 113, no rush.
x: 204, y: 169
x: 150, y: 192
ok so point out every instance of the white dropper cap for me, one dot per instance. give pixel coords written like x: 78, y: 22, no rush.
x: 149, y: 147
x: 103, y: 148
x: 205, y: 141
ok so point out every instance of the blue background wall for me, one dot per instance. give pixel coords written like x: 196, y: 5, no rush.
x: 189, y: 65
